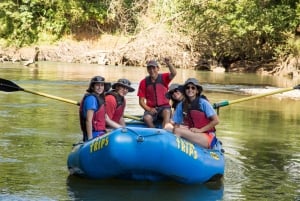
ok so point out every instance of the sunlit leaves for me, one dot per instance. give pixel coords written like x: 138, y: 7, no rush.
x: 240, y: 27
x: 250, y: 29
x: 24, y: 21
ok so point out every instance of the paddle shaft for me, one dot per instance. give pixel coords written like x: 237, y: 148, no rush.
x: 70, y: 101
x: 9, y: 86
x: 225, y: 103
x: 52, y: 97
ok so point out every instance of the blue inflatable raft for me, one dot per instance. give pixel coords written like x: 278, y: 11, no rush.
x: 148, y: 154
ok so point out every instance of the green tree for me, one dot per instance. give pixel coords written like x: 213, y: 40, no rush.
x: 237, y: 29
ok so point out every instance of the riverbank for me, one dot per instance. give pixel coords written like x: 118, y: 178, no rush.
x: 155, y: 43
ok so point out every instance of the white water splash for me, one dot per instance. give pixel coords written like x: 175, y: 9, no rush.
x: 294, y: 94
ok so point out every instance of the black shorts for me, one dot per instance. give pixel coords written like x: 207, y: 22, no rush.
x: 158, y: 115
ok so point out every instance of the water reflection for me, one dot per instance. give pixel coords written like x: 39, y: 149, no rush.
x: 83, y: 189
x: 83, y: 72
x: 260, y: 137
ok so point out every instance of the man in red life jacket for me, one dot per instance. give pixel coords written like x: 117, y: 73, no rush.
x: 151, y: 93
x: 116, y: 102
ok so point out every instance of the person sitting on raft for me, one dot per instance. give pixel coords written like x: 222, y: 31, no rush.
x: 93, y: 118
x: 197, y: 114
x: 116, y: 101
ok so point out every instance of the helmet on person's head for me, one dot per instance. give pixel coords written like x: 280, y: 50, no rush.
x: 172, y: 89
x: 125, y: 83
x: 195, y: 82
x: 98, y: 79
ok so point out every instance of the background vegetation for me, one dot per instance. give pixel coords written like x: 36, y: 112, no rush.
x: 223, y: 30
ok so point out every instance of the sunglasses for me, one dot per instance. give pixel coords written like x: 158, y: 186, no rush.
x: 190, y: 87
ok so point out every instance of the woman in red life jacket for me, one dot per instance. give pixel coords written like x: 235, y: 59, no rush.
x: 116, y: 102
x: 197, y: 114
x: 151, y: 93
x: 93, y: 118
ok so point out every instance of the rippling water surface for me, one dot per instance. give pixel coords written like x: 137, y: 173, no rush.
x: 261, y: 137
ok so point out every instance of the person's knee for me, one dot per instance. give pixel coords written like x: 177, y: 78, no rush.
x: 169, y: 127
x: 148, y: 118
x: 166, y: 113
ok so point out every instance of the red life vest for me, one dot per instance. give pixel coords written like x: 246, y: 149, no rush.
x: 121, y: 103
x: 195, y: 116
x: 155, y: 92
x: 98, y: 121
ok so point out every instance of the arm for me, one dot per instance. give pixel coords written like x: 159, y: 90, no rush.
x: 171, y: 68
x: 141, y: 94
x: 88, y: 122
x: 111, y: 123
x: 214, y: 121
x: 142, y: 102
x: 142, y: 97
x: 122, y: 122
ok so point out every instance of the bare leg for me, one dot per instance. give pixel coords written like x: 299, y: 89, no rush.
x: 197, y: 138
x: 169, y: 127
x: 149, y: 121
x: 166, y: 114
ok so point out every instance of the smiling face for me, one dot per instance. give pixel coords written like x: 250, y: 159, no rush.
x: 98, y: 88
x: 121, y: 90
x: 153, y: 71
x: 191, y: 91
x: 177, y: 95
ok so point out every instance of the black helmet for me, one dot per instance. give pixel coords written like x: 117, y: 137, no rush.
x: 172, y: 89
x: 98, y: 79
x: 125, y: 83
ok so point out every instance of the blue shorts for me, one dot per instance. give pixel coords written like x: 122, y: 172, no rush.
x: 212, y: 140
x: 98, y: 133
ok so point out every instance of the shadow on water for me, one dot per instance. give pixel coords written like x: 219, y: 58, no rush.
x: 115, y: 190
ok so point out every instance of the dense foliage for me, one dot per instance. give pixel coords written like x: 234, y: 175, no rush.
x: 220, y: 29
x: 241, y: 29
x: 27, y: 21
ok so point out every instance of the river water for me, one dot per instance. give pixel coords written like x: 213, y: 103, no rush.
x: 261, y: 137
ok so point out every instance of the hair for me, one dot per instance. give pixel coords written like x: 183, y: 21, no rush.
x: 187, y: 103
x: 174, y: 103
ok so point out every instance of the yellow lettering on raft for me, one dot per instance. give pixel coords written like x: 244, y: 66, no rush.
x: 183, y: 146
x: 214, y: 155
x: 99, y: 144
x: 178, y: 142
x: 186, y: 147
x: 193, y: 151
x: 96, y: 145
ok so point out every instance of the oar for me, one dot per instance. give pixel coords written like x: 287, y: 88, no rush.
x: 226, y: 102
x: 9, y: 86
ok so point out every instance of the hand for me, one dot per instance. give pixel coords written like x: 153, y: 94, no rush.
x: 195, y: 130
x: 167, y: 60
x: 183, y: 126
x: 152, y: 111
